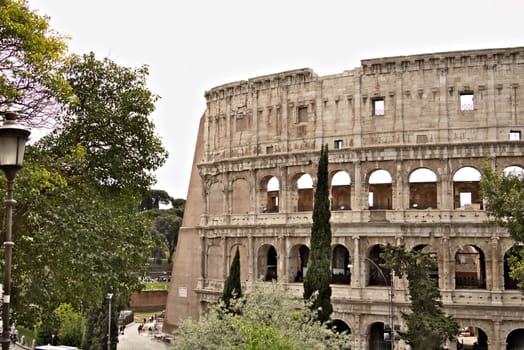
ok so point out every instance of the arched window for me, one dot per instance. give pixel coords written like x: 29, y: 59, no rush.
x: 466, y: 189
x: 377, y: 339
x: 473, y: 335
x: 341, y: 327
x: 514, y: 171
x: 305, y: 193
x: 515, y: 340
x: 267, y: 262
x: 380, y: 190
x: 377, y: 275
x: 273, y: 193
x: 509, y: 282
x: 298, y: 258
x: 470, y: 268
x: 423, y: 189
x: 340, y: 265
x: 341, y: 191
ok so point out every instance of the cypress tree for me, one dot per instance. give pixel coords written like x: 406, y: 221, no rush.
x: 232, y: 286
x: 319, y: 273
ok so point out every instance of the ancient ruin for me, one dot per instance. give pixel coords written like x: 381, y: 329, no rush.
x: 408, y: 138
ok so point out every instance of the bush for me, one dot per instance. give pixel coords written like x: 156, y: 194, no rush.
x: 265, y: 318
x: 72, y: 325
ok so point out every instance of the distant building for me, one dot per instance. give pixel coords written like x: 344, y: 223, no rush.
x: 408, y: 138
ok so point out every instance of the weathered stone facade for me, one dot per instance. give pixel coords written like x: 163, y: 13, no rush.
x: 408, y: 138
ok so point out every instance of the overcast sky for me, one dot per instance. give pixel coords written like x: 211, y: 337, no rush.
x: 194, y: 45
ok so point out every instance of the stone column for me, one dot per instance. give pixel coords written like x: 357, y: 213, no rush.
x: 355, y: 259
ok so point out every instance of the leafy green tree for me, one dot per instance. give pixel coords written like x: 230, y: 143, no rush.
x: 232, y: 286
x: 318, y: 277
x: 267, y: 318
x: 504, y: 202
x: 111, y: 121
x: 504, y: 198
x: 153, y: 199
x: 31, y: 57
x: 428, y: 326
x: 77, y: 227
x: 166, y: 222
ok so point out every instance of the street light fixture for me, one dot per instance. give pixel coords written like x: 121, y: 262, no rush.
x: 109, y: 296
x: 13, y: 138
x: 391, y: 329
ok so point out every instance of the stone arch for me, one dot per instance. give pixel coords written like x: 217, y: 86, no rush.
x: 509, y: 282
x: 340, y: 262
x: 216, y: 199
x: 340, y: 326
x: 513, y: 170
x: 423, y: 189
x: 298, y: 258
x: 380, y: 190
x: 240, y: 197
x: 215, y: 262
x: 267, y: 262
x: 466, y: 188
x: 341, y: 191
x: 377, y: 275
x: 304, y: 185
x: 244, y: 268
x: 470, y: 268
x: 271, y: 192
x: 376, y: 337
x: 515, y: 339
x: 472, y: 337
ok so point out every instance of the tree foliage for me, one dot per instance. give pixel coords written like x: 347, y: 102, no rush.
x: 428, y: 326
x: 232, y: 286
x: 504, y: 203
x: 504, y: 199
x: 268, y: 318
x: 166, y: 222
x: 318, y: 277
x: 109, y: 119
x: 154, y: 198
x: 31, y: 57
x: 77, y: 228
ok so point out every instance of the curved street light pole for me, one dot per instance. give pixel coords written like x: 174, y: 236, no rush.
x: 390, y: 297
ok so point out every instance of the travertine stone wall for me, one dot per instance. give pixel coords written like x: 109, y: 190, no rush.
x: 442, y: 112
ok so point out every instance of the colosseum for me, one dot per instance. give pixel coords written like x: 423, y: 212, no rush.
x: 408, y: 137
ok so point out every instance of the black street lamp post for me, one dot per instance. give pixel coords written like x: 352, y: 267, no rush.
x: 12, y: 146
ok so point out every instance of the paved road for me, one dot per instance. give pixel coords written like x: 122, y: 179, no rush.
x: 131, y: 340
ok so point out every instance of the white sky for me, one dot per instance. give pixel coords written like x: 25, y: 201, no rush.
x: 194, y: 45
